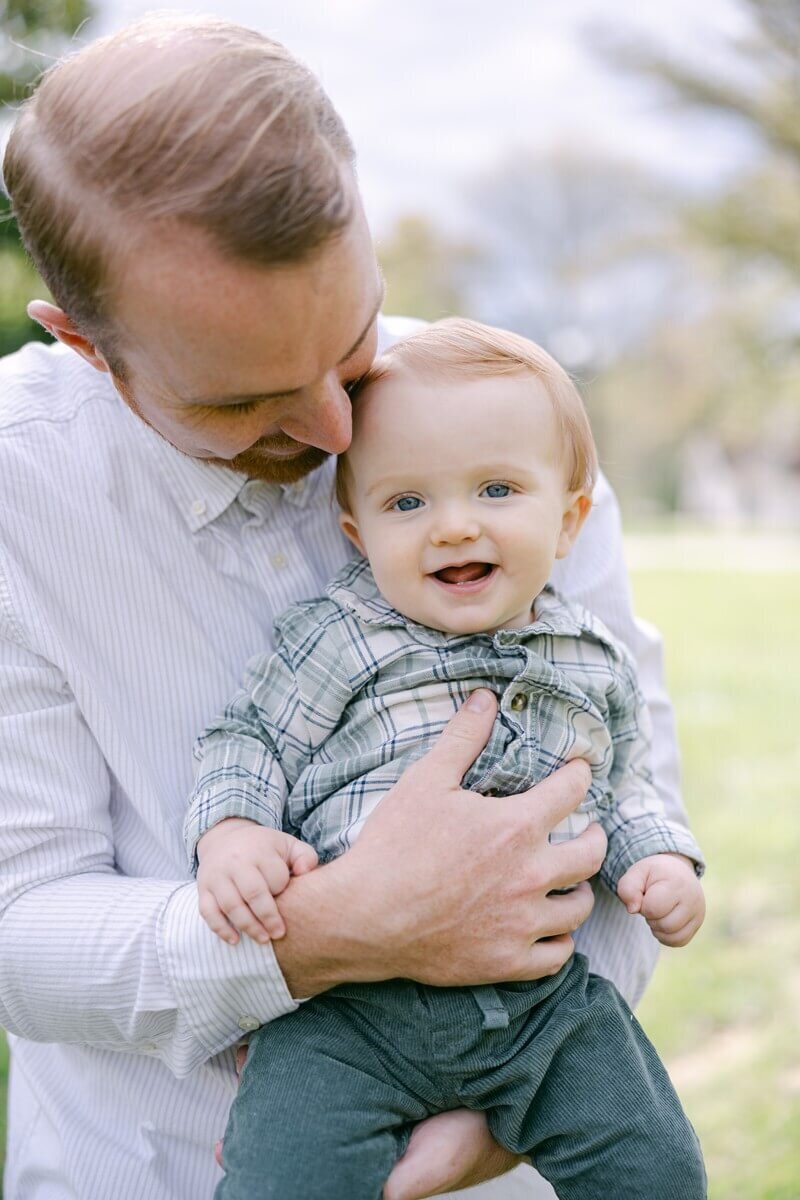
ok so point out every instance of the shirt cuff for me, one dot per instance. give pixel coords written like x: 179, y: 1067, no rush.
x: 221, y: 991
x: 638, y: 839
x: 209, y: 807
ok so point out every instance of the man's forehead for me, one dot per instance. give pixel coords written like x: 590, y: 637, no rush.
x: 215, y: 328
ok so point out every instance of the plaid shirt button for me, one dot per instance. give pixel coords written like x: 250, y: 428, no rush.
x: 519, y: 701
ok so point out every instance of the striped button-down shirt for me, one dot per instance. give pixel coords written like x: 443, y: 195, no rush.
x: 135, y: 583
x: 355, y: 692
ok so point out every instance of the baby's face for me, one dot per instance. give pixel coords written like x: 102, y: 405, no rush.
x: 458, y: 497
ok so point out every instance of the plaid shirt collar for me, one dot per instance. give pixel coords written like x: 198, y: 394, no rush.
x: 355, y: 590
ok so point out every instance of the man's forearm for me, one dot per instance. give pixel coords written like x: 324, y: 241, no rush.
x: 128, y: 964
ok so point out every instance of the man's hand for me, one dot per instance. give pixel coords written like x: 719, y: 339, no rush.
x: 242, y: 867
x: 666, y: 891
x: 444, y: 885
x: 450, y: 1151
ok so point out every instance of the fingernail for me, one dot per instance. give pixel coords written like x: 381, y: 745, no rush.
x: 479, y: 701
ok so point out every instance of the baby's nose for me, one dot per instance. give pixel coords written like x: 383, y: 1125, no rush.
x: 454, y: 526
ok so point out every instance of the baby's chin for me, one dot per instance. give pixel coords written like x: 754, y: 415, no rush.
x: 464, y: 623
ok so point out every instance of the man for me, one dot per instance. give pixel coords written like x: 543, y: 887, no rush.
x: 188, y: 194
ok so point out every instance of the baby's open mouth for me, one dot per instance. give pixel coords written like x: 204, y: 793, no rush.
x: 466, y: 573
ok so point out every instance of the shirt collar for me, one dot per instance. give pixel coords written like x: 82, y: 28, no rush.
x: 203, y: 491
x: 355, y: 589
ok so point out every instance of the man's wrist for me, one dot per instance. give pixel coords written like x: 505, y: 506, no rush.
x: 329, y: 939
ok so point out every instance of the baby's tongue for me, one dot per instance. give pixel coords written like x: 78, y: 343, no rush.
x: 466, y: 574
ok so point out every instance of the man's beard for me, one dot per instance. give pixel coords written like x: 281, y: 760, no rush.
x: 257, y: 463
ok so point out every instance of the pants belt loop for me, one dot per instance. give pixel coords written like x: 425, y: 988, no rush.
x: 495, y: 1013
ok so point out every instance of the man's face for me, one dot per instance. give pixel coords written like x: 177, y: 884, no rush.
x: 247, y: 365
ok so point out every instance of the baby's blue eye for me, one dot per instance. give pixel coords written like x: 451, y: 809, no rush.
x: 496, y: 491
x: 407, y: 503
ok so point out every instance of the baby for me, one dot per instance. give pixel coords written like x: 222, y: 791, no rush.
x: 470, y: 472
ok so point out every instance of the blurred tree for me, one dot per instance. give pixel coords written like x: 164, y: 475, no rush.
x: 573, y: 260
x: 757, y: 84
x: 730, y: 373
x: 19, y: 283
x: 32, y: 33
x: 426, y: 272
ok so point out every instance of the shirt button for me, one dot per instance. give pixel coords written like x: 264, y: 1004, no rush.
x: 491, y: 792
x: 519, y: 701
x: 198, y: 507
x: 279, y: 560
x: 249, y: 1024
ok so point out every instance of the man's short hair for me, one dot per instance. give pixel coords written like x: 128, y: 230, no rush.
x: 198, y: 123
x: 460, y: 347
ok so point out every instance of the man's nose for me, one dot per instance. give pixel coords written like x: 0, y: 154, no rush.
x: 454, y: 523
x: 324, y: 419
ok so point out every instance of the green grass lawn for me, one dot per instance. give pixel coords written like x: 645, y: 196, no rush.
x: 725, y: 1012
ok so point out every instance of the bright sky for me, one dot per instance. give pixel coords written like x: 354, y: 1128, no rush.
x: 434, y: 91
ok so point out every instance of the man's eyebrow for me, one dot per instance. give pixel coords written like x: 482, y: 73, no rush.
x: 221, y: 401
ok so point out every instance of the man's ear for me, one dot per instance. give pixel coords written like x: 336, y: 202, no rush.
x: 349, y: 528
x: 57, y: 323
x: 579, y: 507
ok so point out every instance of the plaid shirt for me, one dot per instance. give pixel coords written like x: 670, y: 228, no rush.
x: 355, y: 692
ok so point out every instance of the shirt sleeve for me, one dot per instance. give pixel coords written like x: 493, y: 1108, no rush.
x: 88, y: 955
x: 594, y: 575
x: 250, y: 757
x: 636, y: 824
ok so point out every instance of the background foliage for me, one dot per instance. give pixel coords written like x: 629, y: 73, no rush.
x: 32, y: 34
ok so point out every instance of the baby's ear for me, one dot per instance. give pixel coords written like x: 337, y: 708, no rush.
x: 577, y: 510
x: 349, y: 528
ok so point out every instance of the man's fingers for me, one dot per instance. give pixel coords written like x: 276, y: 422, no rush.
x: 579, y: 859
x: 559, y: 794
x: 566, y: 912
x: 463, y: 738
x: 549, y: 956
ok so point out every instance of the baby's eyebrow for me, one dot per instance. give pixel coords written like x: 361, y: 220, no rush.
x: 385, y: 484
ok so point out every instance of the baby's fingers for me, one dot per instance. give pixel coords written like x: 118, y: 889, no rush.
x: 302, y: 858
x: 215, y: 918
x: 630, y: 888
x: 679, y: 926
x: 269, y: 919
x: 659, y: 902
x: 273, y: 871
x: 265, y: 921
x: 236, y: 905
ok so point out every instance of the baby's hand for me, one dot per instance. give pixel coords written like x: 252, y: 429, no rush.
x: 666, y: 891
x: 243, y: 865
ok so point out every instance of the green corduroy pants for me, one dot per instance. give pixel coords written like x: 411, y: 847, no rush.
x: 562, y: 1069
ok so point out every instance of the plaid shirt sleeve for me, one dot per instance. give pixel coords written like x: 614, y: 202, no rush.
x: 636, y: 825
x: 249, y: 759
